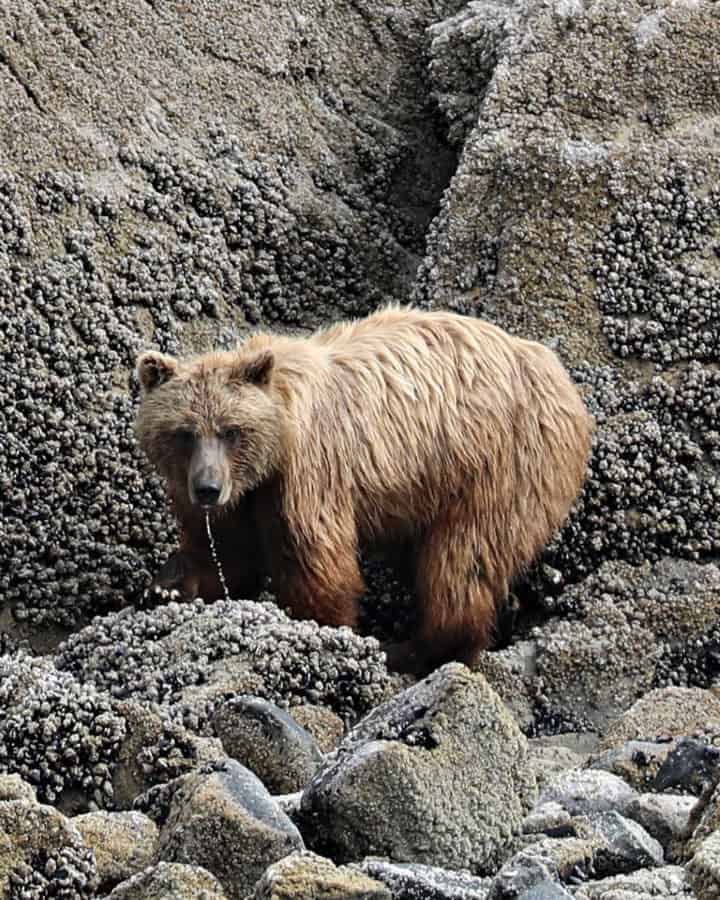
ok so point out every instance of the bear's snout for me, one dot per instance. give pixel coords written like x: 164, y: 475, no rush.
x: 207, y: 477
x: 207, y: 493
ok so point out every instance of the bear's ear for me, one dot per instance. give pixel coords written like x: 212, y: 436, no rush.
x: 154, y: 369
x: 258, y: 369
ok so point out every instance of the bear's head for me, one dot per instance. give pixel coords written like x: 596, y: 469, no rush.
x: 211, y: 425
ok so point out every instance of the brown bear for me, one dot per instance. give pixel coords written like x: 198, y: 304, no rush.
x: 435, y: 429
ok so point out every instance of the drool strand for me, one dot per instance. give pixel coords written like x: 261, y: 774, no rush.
x: 216, y: 560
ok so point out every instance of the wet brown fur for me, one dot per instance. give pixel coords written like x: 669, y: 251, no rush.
x: 434, y: 428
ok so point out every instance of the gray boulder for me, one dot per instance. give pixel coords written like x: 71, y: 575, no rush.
x: 625, y: 846
x: 546, y: 890
x: 266, y: 740
x: 547, y: 860
x: 636, y: 762
x: 438, y: 775
x: 584, y: 792
x: 667, y: 882
x: 664, y: 816
x: 224, y: 820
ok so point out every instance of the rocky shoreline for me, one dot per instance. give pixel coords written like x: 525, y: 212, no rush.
x: 435, y: 794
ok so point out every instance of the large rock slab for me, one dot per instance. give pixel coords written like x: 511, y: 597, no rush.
x: 438, y: 775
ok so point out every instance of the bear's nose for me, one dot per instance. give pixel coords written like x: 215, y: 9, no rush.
x: 208, y: 493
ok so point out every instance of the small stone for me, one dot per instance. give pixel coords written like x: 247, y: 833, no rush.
x: 666, y: 882
x: 636, y: 762
x: 548, y: 818
x: 546, y: 890
x: 170, y: 881
x: 584, y: 792
x: 418, y: 882
x: 626, y: 846
x: 551, y: 859
x: 664, y: 816
x: 307, y: 876
x: 691, y: 766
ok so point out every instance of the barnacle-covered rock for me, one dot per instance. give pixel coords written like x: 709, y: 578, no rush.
x: 267, y: 741
x: 624, y: 631
x: 170, y: 881
x: 222, y: 818
x: 157, y: 209
x: 59, y: 735
x: 191, y: 656
x: 43, y: 854
x: 305, y: 876
x: 124, y: 843
x: 409, y: 783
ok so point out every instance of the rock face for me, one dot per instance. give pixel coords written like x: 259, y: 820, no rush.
x: 409, y: 783
x: 195, y: 174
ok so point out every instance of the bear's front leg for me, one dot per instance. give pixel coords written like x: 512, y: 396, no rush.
x: 181, y: 577
x: 325, y: 587
x: 192, y: 572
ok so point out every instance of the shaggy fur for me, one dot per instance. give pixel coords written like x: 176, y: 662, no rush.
x: 443, y: 431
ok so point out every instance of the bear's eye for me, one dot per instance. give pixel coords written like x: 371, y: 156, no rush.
x: 184, y: 437
x: 230, y: 435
